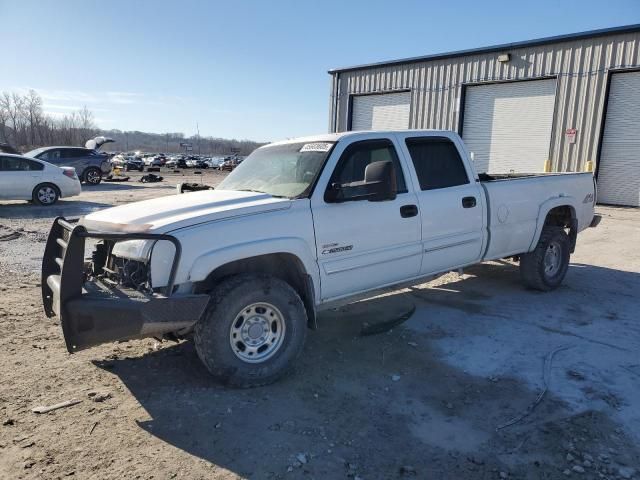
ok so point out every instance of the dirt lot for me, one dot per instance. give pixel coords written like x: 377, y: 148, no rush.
x: 432, y: 398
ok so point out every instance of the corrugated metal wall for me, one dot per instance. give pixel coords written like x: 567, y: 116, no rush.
x: 580, y: 66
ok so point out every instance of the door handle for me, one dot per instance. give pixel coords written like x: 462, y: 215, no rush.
x: 407, y: 211
x: 468, y: 202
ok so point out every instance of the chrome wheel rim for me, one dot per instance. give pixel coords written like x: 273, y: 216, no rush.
x: 552, y: 259
x: 46, y: 195
x: 93, y: 176
x: 257, y: 332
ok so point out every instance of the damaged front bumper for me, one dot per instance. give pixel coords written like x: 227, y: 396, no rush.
x: 92, y: 311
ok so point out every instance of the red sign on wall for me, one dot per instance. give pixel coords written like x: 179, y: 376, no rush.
x: 571, y: 135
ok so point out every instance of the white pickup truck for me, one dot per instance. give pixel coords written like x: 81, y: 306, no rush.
x: 299, y: 226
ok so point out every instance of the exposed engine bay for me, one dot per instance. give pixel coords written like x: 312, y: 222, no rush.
x: 116, y: 271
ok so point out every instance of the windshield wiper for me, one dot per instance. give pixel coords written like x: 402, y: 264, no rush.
x: 250, y: 190
x: 260, y: 191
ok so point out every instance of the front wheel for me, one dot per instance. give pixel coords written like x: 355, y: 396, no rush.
x: 253, y: 330
x: 545, y: 267
x: 93, y: 176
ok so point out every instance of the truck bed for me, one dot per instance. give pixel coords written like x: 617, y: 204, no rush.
x: 516, y: 202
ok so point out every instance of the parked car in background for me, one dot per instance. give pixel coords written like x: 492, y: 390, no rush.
x: 197, y: 163
x: 229, y: 164
x: 152, y: 161
x: 215, y: 162
x: 23, y: 178
x: 89, y: 164
x: 6, y: 148
x: 127, y: 162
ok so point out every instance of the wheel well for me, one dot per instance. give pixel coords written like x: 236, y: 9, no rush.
x: 564, y: 216
x: 284, y: 266
x: 560, y: 216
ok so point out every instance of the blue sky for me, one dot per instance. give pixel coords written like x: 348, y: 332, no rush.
x: 247, y: 69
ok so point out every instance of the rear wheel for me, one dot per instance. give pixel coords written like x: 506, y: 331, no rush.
x: 546, y: 266
x: 45, y: 194
x: 92, y: 176
x: 253, y: 330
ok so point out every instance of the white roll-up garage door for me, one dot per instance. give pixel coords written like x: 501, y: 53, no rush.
x: 387, y: 111
x: 619, y: 169
x: 507, y: 126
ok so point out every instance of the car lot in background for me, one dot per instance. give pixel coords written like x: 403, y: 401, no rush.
x: 23, y: 178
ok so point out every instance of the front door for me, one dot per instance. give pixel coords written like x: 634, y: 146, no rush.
x: 363, y: 244
x: 451, y: 202
x: 18, y: 177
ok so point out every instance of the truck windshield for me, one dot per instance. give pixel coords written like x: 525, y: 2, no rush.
x: 285, y: 170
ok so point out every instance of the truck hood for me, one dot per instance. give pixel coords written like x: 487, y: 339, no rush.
x: 164, y: 214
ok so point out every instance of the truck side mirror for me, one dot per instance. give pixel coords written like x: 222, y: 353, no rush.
x: 379, y: 184
x: 380, y: 181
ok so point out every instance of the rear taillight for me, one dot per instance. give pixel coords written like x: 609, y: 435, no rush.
x: 70, y: 173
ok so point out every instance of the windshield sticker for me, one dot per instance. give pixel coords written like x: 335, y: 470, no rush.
x: 316, y: 147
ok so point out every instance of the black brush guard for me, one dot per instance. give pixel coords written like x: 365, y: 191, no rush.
x: 92, y: 312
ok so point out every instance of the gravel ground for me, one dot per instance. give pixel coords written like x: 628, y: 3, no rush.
x: 442, y: 396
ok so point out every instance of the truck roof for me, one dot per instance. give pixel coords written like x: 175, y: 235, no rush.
x: 334, y: 137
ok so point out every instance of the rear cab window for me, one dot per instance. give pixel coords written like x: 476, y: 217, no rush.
x: 437, y: 162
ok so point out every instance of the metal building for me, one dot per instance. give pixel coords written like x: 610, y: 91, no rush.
x: 559, y: 104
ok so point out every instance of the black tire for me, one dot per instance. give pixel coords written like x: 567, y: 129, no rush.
x: 225, y: 315
x: 92, y: 176
x: 542, y: 269
x: 45, y: 194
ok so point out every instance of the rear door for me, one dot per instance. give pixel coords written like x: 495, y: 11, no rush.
x: 77, y: 158
x: 450, y: 199
x: 361, y: 244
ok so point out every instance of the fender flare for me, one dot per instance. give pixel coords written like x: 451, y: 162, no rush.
x: 545, y: 208
x: 213, y: 259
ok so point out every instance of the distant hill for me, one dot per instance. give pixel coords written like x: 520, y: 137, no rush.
x: 170, y: 143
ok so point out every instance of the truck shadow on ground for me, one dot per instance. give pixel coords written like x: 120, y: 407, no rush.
x: 379, y: 406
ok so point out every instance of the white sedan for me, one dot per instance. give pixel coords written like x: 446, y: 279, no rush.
x: 23, y: 178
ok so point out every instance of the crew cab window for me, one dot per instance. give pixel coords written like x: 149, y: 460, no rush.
x: 437, y: 162
x: 10, y: 164
x: 358, y: 155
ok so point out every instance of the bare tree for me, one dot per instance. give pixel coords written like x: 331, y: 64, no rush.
x: 25, y: 125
